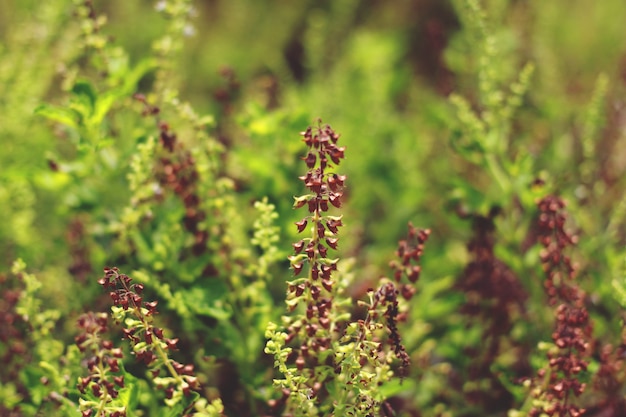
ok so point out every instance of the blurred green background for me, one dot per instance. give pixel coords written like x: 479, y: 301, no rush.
x: 379, y: 72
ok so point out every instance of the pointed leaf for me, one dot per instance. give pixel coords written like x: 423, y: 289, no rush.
x: 57, y: 114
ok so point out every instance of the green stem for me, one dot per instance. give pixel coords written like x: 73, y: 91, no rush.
x: 497, y: 172
x: 105, y: 394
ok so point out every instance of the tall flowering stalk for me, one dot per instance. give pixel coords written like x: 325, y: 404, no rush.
x: 409, y: 253
x: 304, y: 384
x: 573, y: 331
x: 332, y: 365
x: 316, y: 291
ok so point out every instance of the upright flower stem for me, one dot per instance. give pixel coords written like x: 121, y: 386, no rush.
x: 333, y: 364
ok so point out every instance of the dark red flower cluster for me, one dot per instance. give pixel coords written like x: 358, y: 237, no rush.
x: 177, y: 172
x: 409, y: 253
x: 123, y: 293
x: 572, y: 333
x: 326, y: 187
x: 127, y: 295
x: 553, y: 237
x: 103, y: 362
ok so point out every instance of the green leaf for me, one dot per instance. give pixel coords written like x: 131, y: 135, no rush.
x: 105, y: 143
x: 52, y: 181
x: 466, y: 146
x: 84, y: 90
x: 104, y: 103
x: 31, y: 377
x: 83, y: 103
x: 208, y: 300
x: 9, y: 397
x: 133, y: 77
x: 129, y: 395
x: 175, y: 411
x: 468, y: 197
x: 69, y: 409
x: 144, y: 249
x: 57, y: 114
